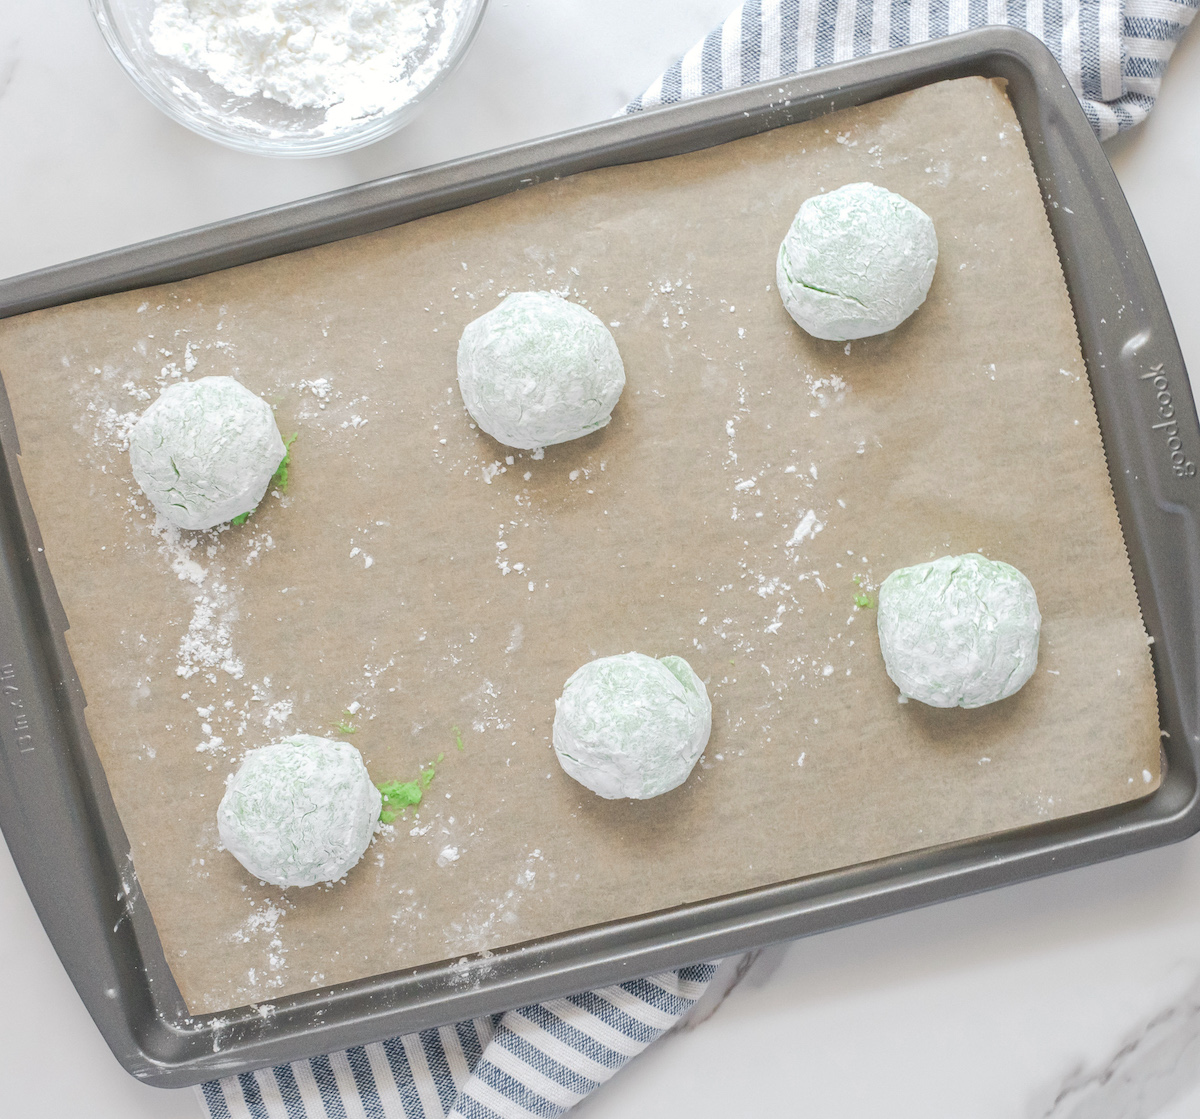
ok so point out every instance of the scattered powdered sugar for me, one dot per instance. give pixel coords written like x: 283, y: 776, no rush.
x: 320, y: 387
x: 807, y: 529
x: 476, y: 929
x: 356, y: 59
x: 825, y: 390
x: 263, y: 924
x: 208, y: 643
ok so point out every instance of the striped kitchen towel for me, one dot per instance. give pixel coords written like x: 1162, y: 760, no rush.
x: 1113, y: 52
x: 538, y: 1061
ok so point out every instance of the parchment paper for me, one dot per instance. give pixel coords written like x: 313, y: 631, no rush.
x: 752, y: 483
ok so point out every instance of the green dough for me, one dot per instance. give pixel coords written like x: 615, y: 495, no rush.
x: 632, y: 726
x: 399, y: 795
x: 856, y: 262
x: 537, y: 370
x: 961, y: 631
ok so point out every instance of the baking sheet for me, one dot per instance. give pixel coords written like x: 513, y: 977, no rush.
x: 970, y: 427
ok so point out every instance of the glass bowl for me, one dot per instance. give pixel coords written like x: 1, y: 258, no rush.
x: 266, y: 126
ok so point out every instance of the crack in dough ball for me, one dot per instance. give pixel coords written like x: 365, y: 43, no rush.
x: 856, y: 262
x: 299, y: 812
x: 961, y: 631
x: 632, y: 726
x: 204, y: 451
x: 537, y: 370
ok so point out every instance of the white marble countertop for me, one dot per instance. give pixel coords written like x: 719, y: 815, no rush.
x: 1077, y: 996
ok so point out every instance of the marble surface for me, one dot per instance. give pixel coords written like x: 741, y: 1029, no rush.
x: 1075, y: 997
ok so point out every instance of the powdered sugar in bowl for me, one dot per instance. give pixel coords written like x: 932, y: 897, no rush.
x: 289, y: 77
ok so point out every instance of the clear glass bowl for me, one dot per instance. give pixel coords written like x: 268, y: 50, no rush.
x: 261, y: 124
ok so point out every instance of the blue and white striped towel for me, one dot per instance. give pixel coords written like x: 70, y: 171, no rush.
x: 537, y: 1062
x: 1113, y: 52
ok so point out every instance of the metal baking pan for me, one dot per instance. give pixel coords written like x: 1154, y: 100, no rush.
x: 55, y: 808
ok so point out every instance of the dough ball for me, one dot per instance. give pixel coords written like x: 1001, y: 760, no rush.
x: 537, y: 370
x: 632, y: 726
x: 855, y: 262
x: 300, y: 811
x: 204, y: 451
x: 961, y: 631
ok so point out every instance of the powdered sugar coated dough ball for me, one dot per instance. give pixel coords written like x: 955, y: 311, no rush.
x: 537, y: 370
x: 856, y: 262
x: 205, y: 451
x: 632, y: 726
x: 960, y: 631
x: 300, y: 811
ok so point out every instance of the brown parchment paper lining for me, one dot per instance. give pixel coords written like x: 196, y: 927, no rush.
x: 422, y: 585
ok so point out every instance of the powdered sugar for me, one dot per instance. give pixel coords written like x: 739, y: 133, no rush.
x: 356, y: 59
x: 208, y: 643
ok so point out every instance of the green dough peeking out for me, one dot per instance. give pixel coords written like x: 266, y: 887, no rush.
x: 399, y: 795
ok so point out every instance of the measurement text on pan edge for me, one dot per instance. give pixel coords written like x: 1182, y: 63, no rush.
x: 8, y: 683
